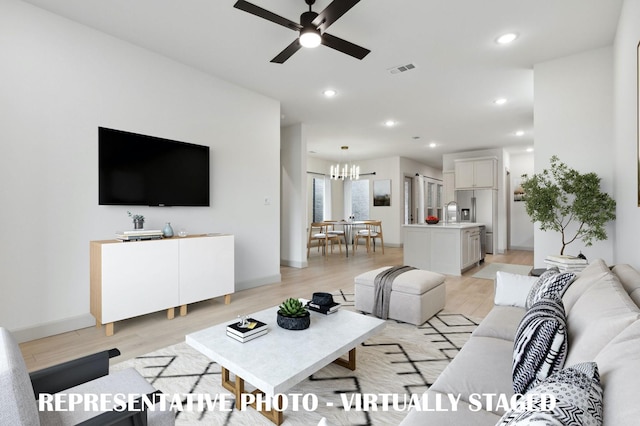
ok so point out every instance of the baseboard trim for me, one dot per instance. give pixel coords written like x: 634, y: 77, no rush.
x: 52, y: 328
x: 294, y: 263
x: 521, y: 248
x: 245, y: 285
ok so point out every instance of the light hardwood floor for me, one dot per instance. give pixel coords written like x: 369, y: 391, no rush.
x: 467, y: 295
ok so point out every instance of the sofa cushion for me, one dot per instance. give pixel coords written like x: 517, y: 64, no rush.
x: 598, y: 315
x: 553, y: 286
x: 483, y: 366
x: 540, y: 346
x: 501, y: 322
x: 17, y: 401
x: 578, y: 400
x: 619, y: 366
x: 512, y: 289
x: 449, y: 414
x: 536, y: 286
x: 630, y: 279
x: 590, y: 275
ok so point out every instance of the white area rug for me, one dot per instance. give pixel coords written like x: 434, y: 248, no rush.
x: 489, y: 271
x: 402, y: 359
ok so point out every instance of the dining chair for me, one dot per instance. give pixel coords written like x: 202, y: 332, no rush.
x: 373, y: 230
x: 319, y: 234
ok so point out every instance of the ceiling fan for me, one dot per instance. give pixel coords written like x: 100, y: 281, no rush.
x: 312, y: 28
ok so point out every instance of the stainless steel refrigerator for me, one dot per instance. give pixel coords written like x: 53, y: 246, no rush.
x: 482, y: 205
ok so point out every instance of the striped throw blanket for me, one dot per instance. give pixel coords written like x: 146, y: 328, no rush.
x: 382, y: 289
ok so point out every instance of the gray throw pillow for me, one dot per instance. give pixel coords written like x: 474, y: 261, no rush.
x: 540, y: 345
x: 576, y: 392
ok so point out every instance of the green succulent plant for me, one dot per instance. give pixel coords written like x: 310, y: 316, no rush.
x: 135, y: 217
x: 292, y: 308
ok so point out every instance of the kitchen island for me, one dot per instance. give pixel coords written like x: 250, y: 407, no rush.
x: 445, y: 248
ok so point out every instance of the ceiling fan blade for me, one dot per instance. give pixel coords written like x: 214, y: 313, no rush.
x: 332, y: 12
x: 344, y: 46
x: 265, y: 14
x: 287, y: 52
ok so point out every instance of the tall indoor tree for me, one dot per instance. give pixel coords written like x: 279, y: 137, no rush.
x: 561, y: 196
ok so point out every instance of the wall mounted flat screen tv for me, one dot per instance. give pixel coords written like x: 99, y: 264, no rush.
x: 144, y: 170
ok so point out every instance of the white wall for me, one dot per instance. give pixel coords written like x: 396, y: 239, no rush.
x: 59, y: 82
x: 293, y: 188
x: 573, y: 116
x: 626, y: 135
x: 521, y: 225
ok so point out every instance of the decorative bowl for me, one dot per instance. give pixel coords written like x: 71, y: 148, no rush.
x: 433, y: 222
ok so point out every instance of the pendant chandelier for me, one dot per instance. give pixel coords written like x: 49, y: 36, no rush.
x: 347, y: 171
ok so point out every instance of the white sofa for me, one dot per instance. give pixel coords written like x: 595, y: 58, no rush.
x: 603, y: 325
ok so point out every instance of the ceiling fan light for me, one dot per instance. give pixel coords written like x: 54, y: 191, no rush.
x: 310, y: 38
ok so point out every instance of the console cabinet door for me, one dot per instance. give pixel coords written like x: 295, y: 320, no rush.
x: 138, y: 278
x: 206, y: 268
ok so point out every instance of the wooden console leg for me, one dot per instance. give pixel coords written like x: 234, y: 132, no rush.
x: 109, y: 329
x: 183, y: 310
x: 171, y: 313
x: 227, y: 299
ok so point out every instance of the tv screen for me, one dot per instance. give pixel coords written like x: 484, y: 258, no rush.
x: 144, y: 170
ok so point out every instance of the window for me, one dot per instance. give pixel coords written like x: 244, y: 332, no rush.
x: 318, y: 199
x: 360, y: 199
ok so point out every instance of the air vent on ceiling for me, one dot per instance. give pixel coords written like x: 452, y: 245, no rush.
x: 402, y: 68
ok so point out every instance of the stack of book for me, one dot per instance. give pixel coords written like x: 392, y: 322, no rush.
x: 566, y: 263
x: 139, y: 234
x: 324, y: 309
x: 252, y: 330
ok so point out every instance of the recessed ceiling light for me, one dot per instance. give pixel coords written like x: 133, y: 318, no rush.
x: 389, y: 123
x: 500, y: 101
x: 329, y: 93
x: 506, y: 38
x: 520, y: 133
x: 433, y: 145
x: 529, y: 149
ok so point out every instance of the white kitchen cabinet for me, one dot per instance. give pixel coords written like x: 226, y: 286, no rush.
x: 470, y: 242
x: 129, y: 279
x: 476, y: 173
x: 447, y: 249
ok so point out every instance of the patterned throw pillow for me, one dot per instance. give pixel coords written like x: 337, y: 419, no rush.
x: 536, y: 286
x: 573, y: 397
x: 540, y: 346
x: 553, y: 286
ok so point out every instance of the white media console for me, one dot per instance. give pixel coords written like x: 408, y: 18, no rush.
x: 134, y: 278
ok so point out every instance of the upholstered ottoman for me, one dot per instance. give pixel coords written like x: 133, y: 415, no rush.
x: 416, y: 295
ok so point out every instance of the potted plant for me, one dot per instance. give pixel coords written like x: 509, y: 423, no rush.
x: 138, y: 220
x: 293, y: 315
x: 563, y: 196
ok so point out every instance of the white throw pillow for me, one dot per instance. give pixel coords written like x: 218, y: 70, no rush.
x: 512, y: 289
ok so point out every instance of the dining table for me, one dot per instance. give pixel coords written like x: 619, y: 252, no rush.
x: 348, y: 226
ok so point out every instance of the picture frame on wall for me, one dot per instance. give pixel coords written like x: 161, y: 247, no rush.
x: 382, y: 193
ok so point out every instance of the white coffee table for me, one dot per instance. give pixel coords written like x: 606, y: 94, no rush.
x: 277, y: 361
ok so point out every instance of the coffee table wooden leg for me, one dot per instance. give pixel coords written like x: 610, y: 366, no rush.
x: 237, y: 388
x: 349, y: 363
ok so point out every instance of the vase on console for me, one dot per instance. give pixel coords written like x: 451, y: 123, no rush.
x: 167, y: 231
